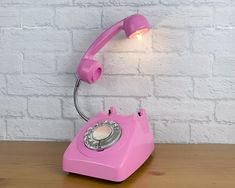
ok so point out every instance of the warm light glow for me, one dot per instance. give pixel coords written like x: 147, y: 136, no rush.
x: 139, y: 36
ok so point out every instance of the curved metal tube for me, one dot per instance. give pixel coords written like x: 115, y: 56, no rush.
x: 77, y: 84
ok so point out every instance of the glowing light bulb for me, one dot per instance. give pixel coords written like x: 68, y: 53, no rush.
x: 139, y: 36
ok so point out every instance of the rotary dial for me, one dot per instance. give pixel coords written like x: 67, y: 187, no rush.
x: 102, y: 135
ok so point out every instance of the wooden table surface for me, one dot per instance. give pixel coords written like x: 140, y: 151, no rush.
x: 38, y: 164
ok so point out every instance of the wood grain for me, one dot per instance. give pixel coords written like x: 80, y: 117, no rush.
x: 38, y: 164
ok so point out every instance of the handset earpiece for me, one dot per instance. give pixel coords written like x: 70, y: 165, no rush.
x: 135, y: 26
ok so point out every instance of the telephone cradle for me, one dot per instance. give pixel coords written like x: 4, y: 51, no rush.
x: 110, y: 146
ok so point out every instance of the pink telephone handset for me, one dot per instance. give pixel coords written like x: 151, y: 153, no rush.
x: 109, y: 146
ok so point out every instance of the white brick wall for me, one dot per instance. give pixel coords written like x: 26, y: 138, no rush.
x: 89, y: 105
x: 173, y: 109
x: 225, y: 111
x: 44, y: 107
x: 37, y: 17
x: 35, y: 40
x: 10, y: 63
x: 124, y: 106
x: 168, y: 132
x: 182, y: 72
x: 177, y: 87
x: 76, y: 18
x: 2, y: 85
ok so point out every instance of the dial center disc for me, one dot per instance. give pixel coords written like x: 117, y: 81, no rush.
x: 101, y: 132
x: 102, y: 135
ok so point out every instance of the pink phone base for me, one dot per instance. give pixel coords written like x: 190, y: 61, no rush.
x: 110, y: 146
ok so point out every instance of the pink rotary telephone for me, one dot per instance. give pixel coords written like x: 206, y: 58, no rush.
x: 109, y: 146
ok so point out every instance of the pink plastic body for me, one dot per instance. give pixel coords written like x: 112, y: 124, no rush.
x: 119, y: 161
x: 90, y: 70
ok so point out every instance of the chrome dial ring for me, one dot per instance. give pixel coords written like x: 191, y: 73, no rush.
x: 102, y: 135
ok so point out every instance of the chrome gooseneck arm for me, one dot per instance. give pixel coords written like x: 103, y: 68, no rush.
x: 76, y: 87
